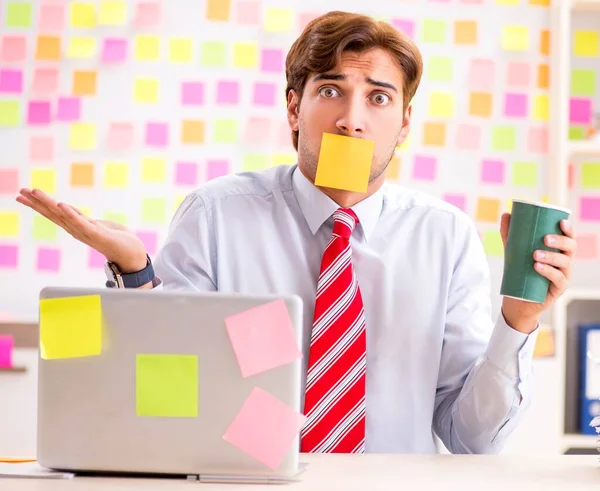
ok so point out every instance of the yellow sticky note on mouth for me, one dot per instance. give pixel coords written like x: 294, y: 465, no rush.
x: 344, y: 163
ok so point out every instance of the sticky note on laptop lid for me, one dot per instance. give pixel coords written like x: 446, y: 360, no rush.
x: 70, y: 327
x: 344, y: 163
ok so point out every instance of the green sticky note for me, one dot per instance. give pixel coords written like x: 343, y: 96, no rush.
x: 166, y: 385
x: 525, y: 174
x: 492, y: 243
x: 44, y: 229
x: 225, y: 131
x: 70, y: 327
x: 213, y: 54
x: 583, y: 82
x: 434, y: 31
x: 116, y: 217
x: 503, y: 138
x: 590, y: 174
x: 18, y: 14
x: 154, y: 210
x: 577, y: 133
x: 440, y: 69
x: 255, y: 162
x: 10, y: 113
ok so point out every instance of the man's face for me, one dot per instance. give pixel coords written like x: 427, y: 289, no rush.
x: 362, y: 97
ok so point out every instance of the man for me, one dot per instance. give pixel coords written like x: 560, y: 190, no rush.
x: 398, y: 338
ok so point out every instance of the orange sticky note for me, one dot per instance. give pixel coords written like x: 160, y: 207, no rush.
x: 465, y: 32
x: 434, y: 134
x: 218, y: 9
x: 480, y: 104
x: 543, y: 76
x: 84, y: 83
x: 82, y: 174
x: 344, y: 162
x: 392, y: 172
x: 545, y: 42
x: 488, y: 209
x: 47, y: 48
x: 192, y: 132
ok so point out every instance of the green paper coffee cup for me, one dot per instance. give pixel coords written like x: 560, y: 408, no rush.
x: 530, y: 222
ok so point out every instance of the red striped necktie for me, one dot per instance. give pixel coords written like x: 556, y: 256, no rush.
x: 335, y: 385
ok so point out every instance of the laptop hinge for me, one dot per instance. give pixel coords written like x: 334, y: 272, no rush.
x: 193, y: 477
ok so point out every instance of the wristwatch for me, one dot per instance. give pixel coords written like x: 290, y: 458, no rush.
x: 116, y: 279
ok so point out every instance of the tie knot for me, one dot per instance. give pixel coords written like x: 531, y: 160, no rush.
x: 344, y: 221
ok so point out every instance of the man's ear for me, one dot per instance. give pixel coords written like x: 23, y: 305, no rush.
x: 293, y: 104
x: 405, y: 126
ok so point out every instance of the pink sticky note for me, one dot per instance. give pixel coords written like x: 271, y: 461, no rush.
x: 192, y: 93
x: 271, y: 60
x: 257, y: 129
x: 6, y: 349
x: 458, y: 200
x: 9, y: 181
x: 515, y: 105
x: 424, y: 168
x: 38, y: 113
x: 150, y: 240
x: 186, y: 173
x: 114, y: 50
x: 11, y: 81
x: 284, y: 139
x: 587, y: 246
x: 406, y: 26
x: 468, y: 137
x: 492, y: 171
x: 95, y: 259
x: 481, y: 74
x: 265, y: 428
x: 263, y: 338
x: 48, y: 259
x: 589, y: 208
x: 9, y: 256
x: 580, y: 111
x: 227, y: 92
x: 69, y: 109
x: 157, y: 134
x: 264, y: 94
x: 13, y: 49
x: 248, y: 13
x: 216, y: 168
x: 147, y: 14
x: 120, y: 136
x: 538, y: 140
x: 45, y: 80
x: 41, y: 148
x: 518, y: 74
x: 51, y: 18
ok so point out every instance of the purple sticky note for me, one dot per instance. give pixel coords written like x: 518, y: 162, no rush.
x: 186, y: 173
x: 41, y: 148
x: 11, y: 81
x: 271, y: 60
x: 492, y: 171
x: 69, y: 109
x: 538, y: 140
x: 458, y: 200
x: 262, y: 338
x: 580, y: 111
x: 424, y: 168
x: 515, y: 105
x: 482, y: 74
x: 589, y: 208
x: 264, y: 94
x: 192, y: 93
x: 95, y: 259
x: 518, y: 74
x: 265, y: 428
x: 48, y: 259
x: 7, y: 344
x: 13, y: 49
x: 468, y: 137
x: 227, y: 92
x: 150, y: 240
x: 157, y: 134
x: 38, y: 113
x: 9, y: 255
x: 114, y: 50
x: 406, y: 26
x: 216, y: 168
x: 45, y: 80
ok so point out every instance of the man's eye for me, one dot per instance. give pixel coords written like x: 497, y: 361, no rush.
x: 328, y: 92
x: 381, y: 99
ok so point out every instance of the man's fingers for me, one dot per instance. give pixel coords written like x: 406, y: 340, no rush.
x: 81, y: 228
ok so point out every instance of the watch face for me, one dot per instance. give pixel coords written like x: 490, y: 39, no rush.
x: 110, y: 274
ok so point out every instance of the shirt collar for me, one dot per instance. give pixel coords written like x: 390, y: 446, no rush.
x: 317, y: 207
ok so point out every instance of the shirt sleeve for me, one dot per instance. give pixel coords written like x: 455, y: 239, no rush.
x: 187, y: 259
x: 485, y: 376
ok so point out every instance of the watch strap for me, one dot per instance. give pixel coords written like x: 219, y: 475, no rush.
x: 138, y: 278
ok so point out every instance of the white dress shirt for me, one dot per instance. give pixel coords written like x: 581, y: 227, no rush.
x: 436, y: 361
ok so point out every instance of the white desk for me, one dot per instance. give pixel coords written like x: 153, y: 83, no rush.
x: 380, y: 472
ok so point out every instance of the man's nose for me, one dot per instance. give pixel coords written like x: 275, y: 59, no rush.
x: 353, y: 121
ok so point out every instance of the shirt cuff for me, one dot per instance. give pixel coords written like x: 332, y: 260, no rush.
x: 511, y: 351
x: 157, y: 283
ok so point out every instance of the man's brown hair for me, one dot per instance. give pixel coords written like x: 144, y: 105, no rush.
x: 320, y: 47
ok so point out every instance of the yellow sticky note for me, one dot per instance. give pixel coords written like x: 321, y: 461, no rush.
x: 441, y: 105
x: 9, y: 224
x: 344, y: 162
x: 245, y: 55
x: 83, y: 14
x: 586, y: 43
x: 81, y: 47
x: 145, y: 90
x: 154, y: 169
x: 82, y: 136
x: 112, y: 13
x: 70, y: 327
x: 44, y: 179
x: 180, y: 50
x: 279, y: 20
x: 590, y: 175
x: 541, y: 107
x: 147, y: 48
x: 515, y: 38
x: 115, y: 175
x: 284, y: 159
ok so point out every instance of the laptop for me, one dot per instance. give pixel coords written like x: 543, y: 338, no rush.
x: 104, y: 412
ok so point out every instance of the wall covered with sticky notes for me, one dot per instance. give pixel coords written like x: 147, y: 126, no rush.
x: 123, y: 107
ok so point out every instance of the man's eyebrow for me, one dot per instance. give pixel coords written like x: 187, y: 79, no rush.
x: 339, y: 76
